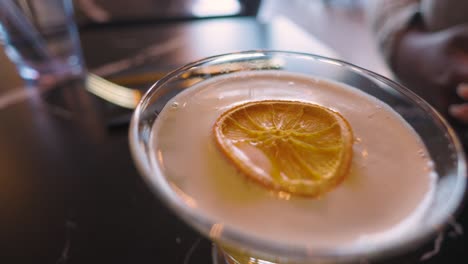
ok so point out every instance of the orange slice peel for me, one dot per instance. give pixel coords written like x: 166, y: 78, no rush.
x: 295, y: 147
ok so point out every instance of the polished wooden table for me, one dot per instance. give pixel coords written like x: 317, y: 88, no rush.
x: 69, y: 191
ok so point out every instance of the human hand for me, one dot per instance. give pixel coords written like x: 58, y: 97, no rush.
x: 460, y: 111
x: 434, y: 64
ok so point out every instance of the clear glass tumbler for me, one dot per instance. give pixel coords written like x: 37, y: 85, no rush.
x: 41, y: 39
x: 239, y: 247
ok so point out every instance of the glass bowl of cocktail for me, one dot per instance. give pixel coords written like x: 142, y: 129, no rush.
x: 282, y: 157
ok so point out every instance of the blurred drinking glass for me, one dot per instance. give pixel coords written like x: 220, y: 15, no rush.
x: 41, y: 39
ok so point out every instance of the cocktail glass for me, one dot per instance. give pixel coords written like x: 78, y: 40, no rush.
x: 234, y: 246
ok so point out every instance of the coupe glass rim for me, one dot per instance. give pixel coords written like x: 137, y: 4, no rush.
x: 234, y: 237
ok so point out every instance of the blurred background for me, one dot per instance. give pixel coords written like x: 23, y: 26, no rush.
x: 81, y: 200
x: 141, y: 41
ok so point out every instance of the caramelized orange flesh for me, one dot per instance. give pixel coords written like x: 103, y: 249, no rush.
x: 289, y: 146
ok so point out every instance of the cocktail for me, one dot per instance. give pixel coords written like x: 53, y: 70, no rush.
x: 283, y: 157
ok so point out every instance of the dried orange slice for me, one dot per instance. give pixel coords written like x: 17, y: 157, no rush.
x: 289, y: 146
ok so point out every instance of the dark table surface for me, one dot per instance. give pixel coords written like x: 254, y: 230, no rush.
x: 69, y: 191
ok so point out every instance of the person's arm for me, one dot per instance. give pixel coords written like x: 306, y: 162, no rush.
x: 433, y: 64
x: 389, y: 19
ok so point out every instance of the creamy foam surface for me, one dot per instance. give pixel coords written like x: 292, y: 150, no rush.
x: 388, y: 189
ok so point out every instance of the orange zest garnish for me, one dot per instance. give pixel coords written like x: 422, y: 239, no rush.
x: 288, y: 146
